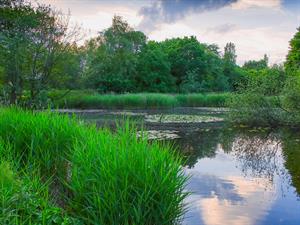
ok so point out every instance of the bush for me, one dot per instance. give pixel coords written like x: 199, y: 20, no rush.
x: 254, y: 106
x: 291, y: 94
x: 291, y: 100
x: 253, y: 110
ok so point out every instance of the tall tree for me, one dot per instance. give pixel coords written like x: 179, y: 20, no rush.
x: 32, y: 40
x: 188, y: 60
x: 15, y: 19
x: 153, y: 70
x: 257, y: 65
x: 68, y: 73
x: 292, y: 63
x: 112, y: 65
x: 229, y: 54
x: 229, y: 65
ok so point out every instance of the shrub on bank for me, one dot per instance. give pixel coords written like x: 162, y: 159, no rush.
x: 107, y: 178
x: 253, y: 110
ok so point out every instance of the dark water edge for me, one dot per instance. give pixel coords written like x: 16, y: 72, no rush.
x: 238, y: 175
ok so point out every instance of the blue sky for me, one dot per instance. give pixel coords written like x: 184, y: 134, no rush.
x: 255, y: 26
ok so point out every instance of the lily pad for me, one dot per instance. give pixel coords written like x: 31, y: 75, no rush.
x: 172, y: 118
x: 159, y: 134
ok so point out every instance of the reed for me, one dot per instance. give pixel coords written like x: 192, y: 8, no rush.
x: 119, y: 179
x: 24, y: 198
x: 107, y: 177
x: 89, y: 100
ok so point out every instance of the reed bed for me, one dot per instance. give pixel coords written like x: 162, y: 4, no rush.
x: 90, y: 100
x: 100, y: 176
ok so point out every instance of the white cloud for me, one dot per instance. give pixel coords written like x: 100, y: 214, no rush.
x: 223, y: 211
x: 245, y: 4
x: 255, y: 26
x: 223, y: 28
x: 95, y: 16
x: 253, y: 43
x: 171, y: 31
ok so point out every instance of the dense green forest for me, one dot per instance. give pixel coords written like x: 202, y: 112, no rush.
x: 39, y: 52
x: 40, y: 61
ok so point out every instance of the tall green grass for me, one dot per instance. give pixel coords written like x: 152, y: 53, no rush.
x: 39, y: 140
x: 119, y: 179
x: 24, y: 198
x: 88, y: 100
x: 203, y: 100
x: 107, y: 178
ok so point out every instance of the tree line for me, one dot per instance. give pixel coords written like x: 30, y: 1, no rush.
x: 39, y: 51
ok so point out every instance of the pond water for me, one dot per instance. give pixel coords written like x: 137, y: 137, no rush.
x: 238, y: 176
x: 242, y: 177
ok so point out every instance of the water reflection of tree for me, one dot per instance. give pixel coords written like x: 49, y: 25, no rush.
x: 265, y: 155
x: 259, y: 155
x: 203, y: 143
x: 291, y: 154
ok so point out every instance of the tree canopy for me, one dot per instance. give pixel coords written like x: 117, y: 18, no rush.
x: 293, y: 58
x: 33, y: 40
x: 38, y: 52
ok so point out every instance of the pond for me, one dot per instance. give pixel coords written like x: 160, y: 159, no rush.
x: 238, y: 176
x: 242, y: 177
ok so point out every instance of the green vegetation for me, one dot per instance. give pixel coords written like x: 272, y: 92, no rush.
x: 56, y: 170
x: 34, y: 40
x: 173, y: 65
x: 292, y: 156
x: 253, y: 109
x: 38, y: 53
x: 25, y: 200
x: 122, y: 180
x: 203, y: 100
x: 292, y: 63
x: 93, y: 100
x: 44, y: 142
x: 270, y: 97
x: 120, y: 60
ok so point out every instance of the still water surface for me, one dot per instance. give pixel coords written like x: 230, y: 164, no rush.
x: 238, y: 176
x: 241, y: 177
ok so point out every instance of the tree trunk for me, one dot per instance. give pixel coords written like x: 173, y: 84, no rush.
x: 13, y: 96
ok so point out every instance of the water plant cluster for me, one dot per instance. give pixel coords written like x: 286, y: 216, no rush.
x: 57, y: 170
x: 173, y: 118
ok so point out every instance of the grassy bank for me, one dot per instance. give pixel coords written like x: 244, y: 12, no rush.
x: 92, y: 100
x: 73, y: 174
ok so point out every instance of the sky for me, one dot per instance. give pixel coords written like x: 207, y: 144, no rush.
x: 256, y: 27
